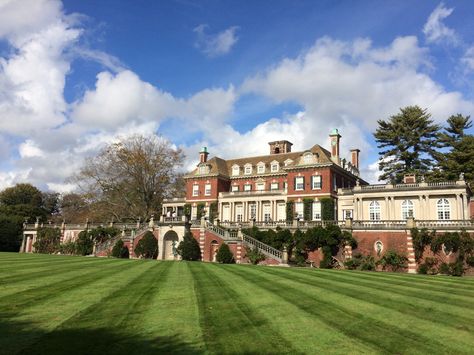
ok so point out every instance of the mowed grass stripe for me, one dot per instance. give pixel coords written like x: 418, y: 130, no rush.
x: 426, y: 315
x: 119, y: 313
x: 36, y: 320
x: 228, y: 324
x: 363, y: 321
x: 306, y: 333
x: 11, y: 268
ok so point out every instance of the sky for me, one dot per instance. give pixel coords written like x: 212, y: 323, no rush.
x: 230, y: 75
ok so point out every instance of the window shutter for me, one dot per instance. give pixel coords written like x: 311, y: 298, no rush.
x: 304, y: 187
x: 294, y: 183
x: 321, y: 181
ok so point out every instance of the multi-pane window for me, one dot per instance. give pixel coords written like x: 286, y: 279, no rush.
x: 235, y: 170
x: 274, y: 167
x: 316, y: 211
x: 207, y: 189
x: 248, y: 169
x: 253, y: 210
x: 195, y: 190
x: 308, y: 158
x: 299, y: 183
x: 334, y: 183
x: 203, y: 169
x: 239, y: 212
x: 299, y: 210
x: 407, y: 209
x: 317, y: 182
x: 261, y: 168
x: 374, y: 211
x: 247, y: 187
x: 266, y: 213
x: 274, y: 186
x: 444, y: 209
x: 235, y: 188
x: 260, y: 186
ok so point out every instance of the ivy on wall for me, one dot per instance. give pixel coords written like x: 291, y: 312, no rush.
x: 290, y: 212
x: 307, y: 204
x: 187, y: 209
x: 200, y: 210
x: 212, y: 211
x: 327, y: 209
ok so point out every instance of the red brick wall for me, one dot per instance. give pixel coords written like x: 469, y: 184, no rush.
x: 268, y: 180
x: 472, y: 208
x: 217, y: 185
x: 326, y: 182
x: 392, y: 240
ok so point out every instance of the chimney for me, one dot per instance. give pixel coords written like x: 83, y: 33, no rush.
x: 355, y: 157
x: 203, y: 155
x: 279, y: 147
x: 409, y: 179
x: 335, y: 138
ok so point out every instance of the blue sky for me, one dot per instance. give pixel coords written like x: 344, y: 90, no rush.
x: 232, y: 75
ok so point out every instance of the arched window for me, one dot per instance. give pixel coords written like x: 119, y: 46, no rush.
x: 407, y: 209
x: 444, y: 210
x: 374, y: 211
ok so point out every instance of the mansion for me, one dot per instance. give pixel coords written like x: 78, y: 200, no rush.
x: 266, y: 188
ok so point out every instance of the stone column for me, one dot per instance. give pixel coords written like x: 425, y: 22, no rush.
x: 23, y: 244
x: 284, y: 256
x: 466, y: 213
x: 419, y: 213
x: 387, y: 208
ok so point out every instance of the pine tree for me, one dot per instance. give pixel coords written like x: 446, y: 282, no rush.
x: 189, y: 248
x: 147, y: 247
x: 407, y: 141
x: 455, y: 131
x: 224, y: 255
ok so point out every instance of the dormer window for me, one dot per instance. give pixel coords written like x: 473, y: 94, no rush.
x: 203, y: 169
x: 307, y: 158
x: 235, y: 170
x: 260, y: 168
x: 275, y: 167
x: 248, y: 169
x: 288, y: 162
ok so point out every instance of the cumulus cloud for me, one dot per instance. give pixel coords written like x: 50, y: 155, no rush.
x: 468, y: 59
x: 435, y: 30
x: 218, y: 44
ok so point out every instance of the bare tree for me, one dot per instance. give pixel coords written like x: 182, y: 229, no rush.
x: 130, y: 178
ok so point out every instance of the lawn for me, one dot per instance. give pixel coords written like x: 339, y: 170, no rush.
x: 77, y: 305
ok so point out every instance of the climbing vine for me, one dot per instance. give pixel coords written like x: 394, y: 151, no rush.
x: 200, y: 210
x: 212, y: 211
x: 307, y: 204
x: 327, y: 209
x: 290, y: 213
x: 187, y: 209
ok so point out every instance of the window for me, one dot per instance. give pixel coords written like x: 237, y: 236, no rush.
x: 260, y: 168
x: 207, y: 189
x: 299, y: 210
x: 299, y: 183
x: 235, y: 188
x: 347, y: 214
x: 316, y: 211
x: 253, y: 210
x: 334, y: 183
x: 248, y: 169
x: 274, y: 167
x: 288, y: 162
x: 307, y: 158
x: 239, y: 212
x: 374, y: 211
x: 316, y: 182
x: 195, y: 190
x: 444, y: 210
x: 247, y: 187
x: 407, y: 209
x: 260, y: 186
x: 203, y: 169
x: 274, y: 186
x: 266, y: 213
x: 235, y: 170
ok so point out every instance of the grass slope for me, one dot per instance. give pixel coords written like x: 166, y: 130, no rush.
x: 76, y: 305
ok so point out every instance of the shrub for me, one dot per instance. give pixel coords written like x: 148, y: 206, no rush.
x: 10, y: 233
x: 428, y: 267
x: 120, y: 250
x: 189, y: 248
x: 254, y: 255
x: 326, y: 263
x: 68, y: 248
x: 393, y: 261
x: 290, y: 211
x: 361, y: 262
x: 423, y: 269
x: 147, y: 247
x: 368, y: 264
x: 200, y: 210
x: 470, y: 261
x: 307, y: 206
x: 224, y: 255
x: 47, y: 240
x: 84, y: 244
x: 327, y: 209
x: 212, y: 211
x: 420, y: 240
x: 444, y: 269
x: 457, y: 268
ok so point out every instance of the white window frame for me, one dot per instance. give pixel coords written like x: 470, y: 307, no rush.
x: 207, y: 189
x: 248, y: 187
x: 347, y: 214
x: 407, y: 207
x: 239, y: 213
x: 253, y: 210
x: 235, y: 188
x: 203, y: 169
x: 299, y: 183
x: 374, y: 211
x: 316, y: 182
x: 274, y: 186
x: 260, y: 186
x: 275, y: 167
x: 248, y: 169
x: 443, y: 209
x: 260, y: 168
x: 299, y: 210
x: 307, y: 158
x: 316, y: 211
x: 235, y: 170
x: 195, y: 190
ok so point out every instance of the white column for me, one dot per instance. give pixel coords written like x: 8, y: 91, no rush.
x: 387, y: 208
x: 466, y: 213
x: 427, y: 208
x: 459, y: 206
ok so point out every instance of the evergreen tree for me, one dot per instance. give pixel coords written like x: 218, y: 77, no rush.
x: 147, y: 247
x: 224, y: 255
x: 189, y: 248
x: 407, y: 141
x: 120, y: 250
x: 459, y: 160
x: 455, y: 131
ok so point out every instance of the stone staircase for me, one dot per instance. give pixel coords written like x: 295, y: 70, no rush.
x: 127, y: 235
x: 234, y: 235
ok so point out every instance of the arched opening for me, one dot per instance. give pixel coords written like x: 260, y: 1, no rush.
x: 277, y: 150
x: 213, y: 251
x: 170, y: 245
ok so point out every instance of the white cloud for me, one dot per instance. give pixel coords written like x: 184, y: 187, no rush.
x: 214, y: 45
x: 29, y: 149
x: 435, y: 30
x: 468, y: 59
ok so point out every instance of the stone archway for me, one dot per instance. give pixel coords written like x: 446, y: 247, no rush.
x: 170, y: 243
x: 213, y: 251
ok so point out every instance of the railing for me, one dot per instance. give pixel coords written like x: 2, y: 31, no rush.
x: 443, y: 183
x: 274, y: 224
x: 446, y: 224
x: 381, y: 224
x: 373, y: 187
x: 172, y: 219
x: 107, y: 244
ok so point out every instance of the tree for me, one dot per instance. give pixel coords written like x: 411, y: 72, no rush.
x: 189, y: 248
x: 455, y: 131
x: 120, y: 250
x: 224, y: 255
x: 147, y: 247
x: 132, y: 177
x: 407, y: 141
x: 458, y: 160
x: 10, y: 233
x: 21, y: 194
x: 84, y: 244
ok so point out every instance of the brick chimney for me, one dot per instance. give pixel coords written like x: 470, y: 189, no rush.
x: 203, y: 155
x: 335, y: 138
x: 355, y: 157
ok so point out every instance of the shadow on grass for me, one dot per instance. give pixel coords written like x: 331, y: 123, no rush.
x: 24, y: 338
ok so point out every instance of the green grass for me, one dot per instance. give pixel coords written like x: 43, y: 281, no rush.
x: 76, y: 305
